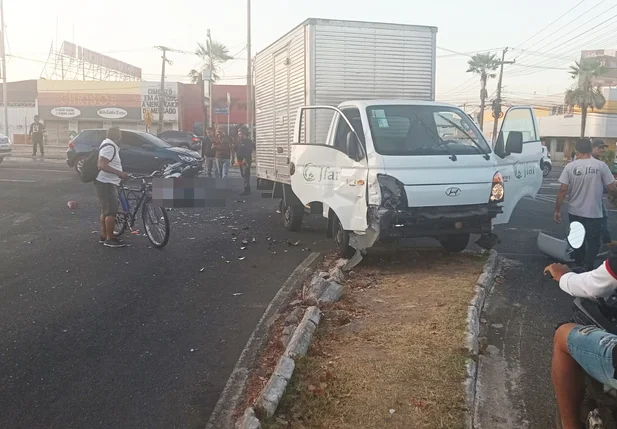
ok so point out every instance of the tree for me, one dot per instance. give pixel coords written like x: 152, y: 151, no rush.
x: 220, y: 55
x: 585, y: 94
x: 483, y: 65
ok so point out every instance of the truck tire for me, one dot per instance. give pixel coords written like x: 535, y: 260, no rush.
x: 292, y: 216
x: 341, y: 238
x: 455, y: 243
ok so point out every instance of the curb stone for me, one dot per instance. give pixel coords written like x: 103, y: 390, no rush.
x: 483, y: 288
x: 248, y: 420
x: 231, y: 397
x: 271, y: 395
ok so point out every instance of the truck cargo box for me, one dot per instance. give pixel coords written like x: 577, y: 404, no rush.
x: 326, y: 62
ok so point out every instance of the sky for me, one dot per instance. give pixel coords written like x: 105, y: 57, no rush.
x: 544, y: 37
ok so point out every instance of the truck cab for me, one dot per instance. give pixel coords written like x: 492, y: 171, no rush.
x: 396, y: 169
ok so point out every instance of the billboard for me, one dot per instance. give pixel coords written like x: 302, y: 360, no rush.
x: 79, y: 52
x: 150, y: 99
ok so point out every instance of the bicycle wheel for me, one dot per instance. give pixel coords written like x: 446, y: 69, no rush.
x: 121, y: 224
x: 156, y: 224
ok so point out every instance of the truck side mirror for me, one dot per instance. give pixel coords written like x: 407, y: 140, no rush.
x: 353, y: 146
x: 514, y: 144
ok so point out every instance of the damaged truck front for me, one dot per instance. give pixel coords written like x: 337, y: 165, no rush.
x: 390, y: 170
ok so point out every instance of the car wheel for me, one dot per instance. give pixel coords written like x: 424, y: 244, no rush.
x: 546, y: 169
x: 79, y: 164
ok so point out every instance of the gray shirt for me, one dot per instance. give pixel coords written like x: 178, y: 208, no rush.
x: 586, y: 179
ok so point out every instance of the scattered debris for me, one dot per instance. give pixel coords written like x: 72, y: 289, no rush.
x: 237, y: 294
x: 242, y: 248
x: 202, y: 269
x: 292, y: 243
x: 392, y: 411
x: 245, y: 242
x: 241, y: 258
x: 192, y: 350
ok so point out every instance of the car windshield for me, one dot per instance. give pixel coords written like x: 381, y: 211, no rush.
x: 156, y: 141
x: 424, y: 130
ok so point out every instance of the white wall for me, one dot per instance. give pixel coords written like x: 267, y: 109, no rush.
x: 20, y: 119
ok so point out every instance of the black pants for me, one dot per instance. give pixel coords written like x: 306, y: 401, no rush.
x: 586, y: 255
x: 40, y: 144
x: 245, y: 171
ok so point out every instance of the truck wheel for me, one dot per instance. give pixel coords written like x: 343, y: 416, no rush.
x: 341, y: 238
x: 292, y: 216
x: 455, y: 243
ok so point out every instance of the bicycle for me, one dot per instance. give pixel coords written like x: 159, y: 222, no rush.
x: 130, y: 200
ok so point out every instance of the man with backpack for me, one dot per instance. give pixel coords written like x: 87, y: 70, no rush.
x: 106, y: 183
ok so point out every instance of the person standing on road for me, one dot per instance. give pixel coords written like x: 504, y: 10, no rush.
x: 36, y: 134
x: 585, y: 179
x: 106, y: 184
x: 207, y: 152
x: 222, y: 153
x: 598, y: 150
x: 244, y: 154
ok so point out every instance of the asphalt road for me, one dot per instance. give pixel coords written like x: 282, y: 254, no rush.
x: 93, y: 337
x: 515, y: 388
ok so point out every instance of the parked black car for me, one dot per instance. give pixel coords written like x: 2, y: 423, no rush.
x: 183, y: 139
x: 140, y: 152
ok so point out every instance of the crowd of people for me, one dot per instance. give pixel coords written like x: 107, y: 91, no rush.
x: 220, y: 151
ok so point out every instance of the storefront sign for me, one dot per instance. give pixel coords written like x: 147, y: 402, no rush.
x: 112, y: 113
x: 65, y: 112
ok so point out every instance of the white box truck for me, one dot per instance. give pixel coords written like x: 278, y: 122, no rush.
x: 346, y: 128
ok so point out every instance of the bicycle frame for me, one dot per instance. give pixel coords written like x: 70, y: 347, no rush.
x: 124, y: 202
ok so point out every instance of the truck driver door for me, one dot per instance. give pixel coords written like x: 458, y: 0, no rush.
x: 333, y: 172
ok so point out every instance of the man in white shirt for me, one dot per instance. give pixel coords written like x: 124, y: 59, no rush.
x: 106, y: 184
x: 582, y: 349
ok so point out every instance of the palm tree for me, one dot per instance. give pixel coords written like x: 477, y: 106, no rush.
x: 220, y: 55
x: 484, y: 65
x: 585, y: 94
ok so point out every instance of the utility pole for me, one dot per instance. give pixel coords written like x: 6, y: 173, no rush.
x: 4, y: 86
x: 210, y: 97
x: 497, y: 101
x: 249, y: 70
x: 162, y: 88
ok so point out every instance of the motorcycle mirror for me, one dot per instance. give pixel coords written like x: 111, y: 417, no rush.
x: 576, y: 236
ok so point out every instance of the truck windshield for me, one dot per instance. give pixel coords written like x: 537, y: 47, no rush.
x: 424, y: 130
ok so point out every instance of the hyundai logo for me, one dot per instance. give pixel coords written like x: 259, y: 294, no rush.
x: 453, y: 192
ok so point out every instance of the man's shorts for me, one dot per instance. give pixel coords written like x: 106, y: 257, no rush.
x: 592, y: 348
x: 108, y: 197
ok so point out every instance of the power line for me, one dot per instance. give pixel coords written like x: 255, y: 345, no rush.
x: 561, y: 16
x: 568, y: 23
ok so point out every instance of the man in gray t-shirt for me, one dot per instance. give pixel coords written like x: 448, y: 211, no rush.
x: 585, y: 180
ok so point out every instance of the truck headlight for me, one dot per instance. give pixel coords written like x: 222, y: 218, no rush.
x: 497, y: 190
x: 393, y: 195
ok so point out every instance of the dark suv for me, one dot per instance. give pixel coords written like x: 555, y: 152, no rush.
x: 140, y: 152
x: 183, y: 139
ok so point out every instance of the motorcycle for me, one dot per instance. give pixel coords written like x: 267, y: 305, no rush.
x: 181, y: 169
x: 599, y: 407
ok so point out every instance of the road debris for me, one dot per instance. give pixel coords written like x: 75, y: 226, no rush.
x: 237, y: 294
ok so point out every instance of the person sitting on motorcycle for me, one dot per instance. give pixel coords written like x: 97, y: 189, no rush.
x: 582, y: 349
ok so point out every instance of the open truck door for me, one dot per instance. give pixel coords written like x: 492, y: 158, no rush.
x: 333, y: 172
x: 518, y: 151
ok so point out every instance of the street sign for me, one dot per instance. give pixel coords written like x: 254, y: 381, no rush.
x: 148, y: 117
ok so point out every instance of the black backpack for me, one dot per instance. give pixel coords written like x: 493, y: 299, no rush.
x: 90, y: 169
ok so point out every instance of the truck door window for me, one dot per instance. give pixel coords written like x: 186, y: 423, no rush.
x: 342, y: 129
x: 521, y: 120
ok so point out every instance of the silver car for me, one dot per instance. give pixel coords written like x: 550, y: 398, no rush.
x: 547, y: 163
x: 6, y: 147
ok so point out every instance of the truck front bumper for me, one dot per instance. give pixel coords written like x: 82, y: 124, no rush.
x: 432, y: 221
